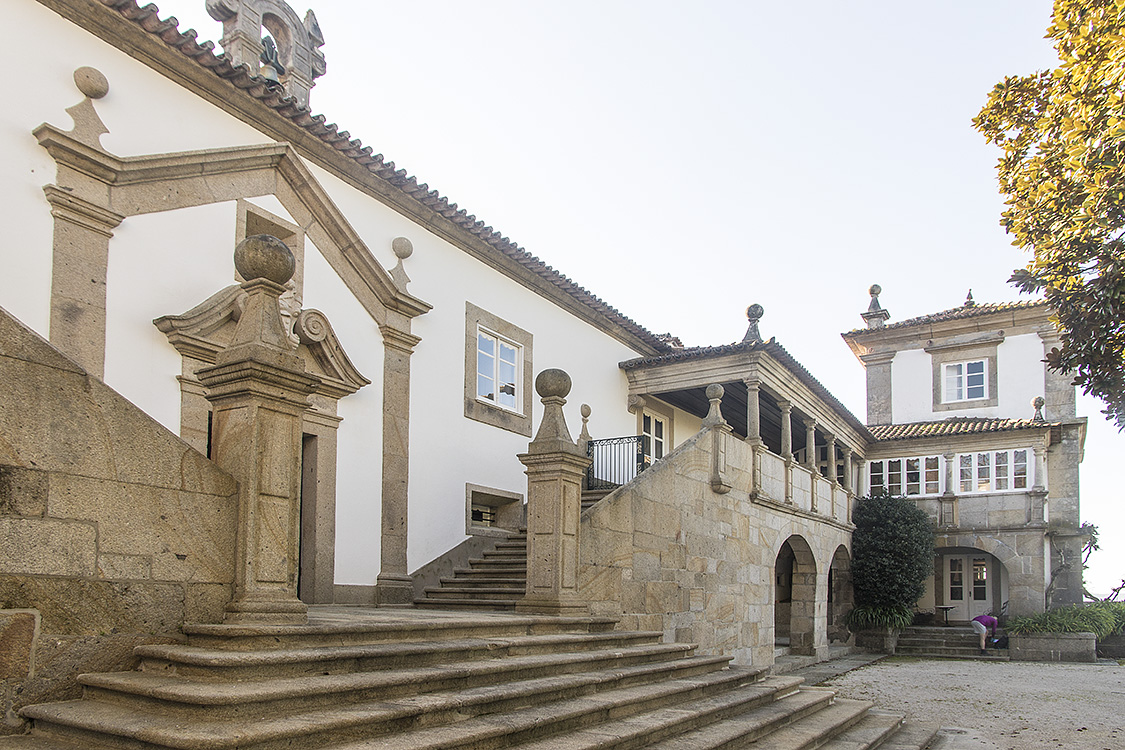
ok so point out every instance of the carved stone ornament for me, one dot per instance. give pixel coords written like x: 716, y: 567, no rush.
x: 204, y: 331
x: 298, y: 42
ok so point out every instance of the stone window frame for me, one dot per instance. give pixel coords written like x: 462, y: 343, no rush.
x: 903, y: 483
x: 509, y: 510
x: 517, y: 421
x: 661, y: 411
x: 940, y: 357
x: 1029, y: 477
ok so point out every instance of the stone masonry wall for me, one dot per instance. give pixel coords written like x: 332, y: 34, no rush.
x: 668, y: 553
x: 113, y: 531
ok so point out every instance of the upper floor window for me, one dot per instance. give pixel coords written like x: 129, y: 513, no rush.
x: 906, y: 476
x: 965, y: 381
x: 498, y: 364
x: 654, y: 431
x: 995, y: 471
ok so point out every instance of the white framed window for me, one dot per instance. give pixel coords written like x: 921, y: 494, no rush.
x: 654, y: 432
x: 920, y: 475
x: 995, y: 471
x: 498, y: 367
x: 965, y: 381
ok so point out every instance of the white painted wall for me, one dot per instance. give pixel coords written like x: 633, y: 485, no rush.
x: 1021, y: 376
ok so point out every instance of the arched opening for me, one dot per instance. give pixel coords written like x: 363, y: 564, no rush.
x: 795, y: 596
x: 967, y: 582
x: 840, y: 596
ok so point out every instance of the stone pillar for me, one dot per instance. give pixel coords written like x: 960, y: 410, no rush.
x: 555, y: 467
x: 878, y: 368
x: 950, y: 473
x: 831, y: 440
x: 259, y: 391
x: 849, y: 480
x: 393, y: 586
x: 78, y: 277
x: 810, y: 444
x: 787, y: 446
x: 753, y: 412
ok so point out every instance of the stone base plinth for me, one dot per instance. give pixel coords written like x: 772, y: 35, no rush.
x: 265, y: 611
x: 552, y: 606
x: 394, y: 591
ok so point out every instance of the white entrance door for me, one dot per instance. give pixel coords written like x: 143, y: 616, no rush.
x: 967, y: 586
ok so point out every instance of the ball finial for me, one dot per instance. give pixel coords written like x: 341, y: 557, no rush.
x: 1038, y: 402
x: 585, y: 411
x: 402, y: 247
x: 91, y: 82
x: 715, y: 392
x: 552, y: 383
x: 262, y: 256
x: 875, y: 290
x: 755, y: 312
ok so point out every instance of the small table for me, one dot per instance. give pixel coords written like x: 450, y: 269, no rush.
x: 945, y: 612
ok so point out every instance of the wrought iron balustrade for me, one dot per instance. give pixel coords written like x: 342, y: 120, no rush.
x: 615, y: 461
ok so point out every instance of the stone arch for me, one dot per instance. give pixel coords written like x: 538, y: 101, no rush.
x: 794, y: 574
x: 841, y: 598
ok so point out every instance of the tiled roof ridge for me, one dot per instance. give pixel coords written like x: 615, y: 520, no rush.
x: 241, y: 77
x: 770, y: 347
x: 955, y: 313
x: 954, y: 426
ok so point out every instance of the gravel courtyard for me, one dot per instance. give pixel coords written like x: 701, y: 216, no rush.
x: 1005, y: 705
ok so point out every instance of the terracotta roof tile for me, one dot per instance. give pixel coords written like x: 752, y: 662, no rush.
x: 954, y: 426
x: 286, y: 107
x: 956, y: 313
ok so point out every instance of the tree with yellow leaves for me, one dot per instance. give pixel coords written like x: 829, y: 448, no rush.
x: 1062, y: 132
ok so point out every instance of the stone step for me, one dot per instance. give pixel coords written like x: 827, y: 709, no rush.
x: 507, y: 562
x: 486, y: 605
x: 873, y: 730
x: 914, y: 735
x: 169, y: 693
x: 591, y: 722
x: 467, y: 591
x: 720, y: 722
x: 546, y: 702
x: 250, y: 637
x: 973, y: 653
x: 220, y: 664
x: 485, y: 580
x: 512, y: 573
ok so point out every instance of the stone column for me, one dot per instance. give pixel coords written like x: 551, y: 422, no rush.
x: 831, y: 440
x: 950, y: 473
x: 259, y: 391
x: 787, y: 446
x: 555, y: 467
x: 393, y: 586
x: 753, y: 412
x: 849, y: 480
x: 810, y: 444
x: 78, y: 277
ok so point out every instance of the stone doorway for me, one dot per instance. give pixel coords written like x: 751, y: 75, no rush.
x: 795, y: 596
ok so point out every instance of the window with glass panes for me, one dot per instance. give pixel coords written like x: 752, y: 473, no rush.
x: 498, y: 361
x: 920, y: 475
x: 965, y: 381
x: 654, y: 436
x: 995, y: 471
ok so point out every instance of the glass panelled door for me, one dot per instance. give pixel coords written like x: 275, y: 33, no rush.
x: 967, y: 587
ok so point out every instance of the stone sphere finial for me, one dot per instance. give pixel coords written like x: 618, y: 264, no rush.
x: 585, y: 411
x: 402, y: 247
x: 1038, y: 402
x: 715, y: 391
x: 875, y: 290
x: 553, y: 383
x: 91, y: 82
x: 262, y: 256
x: 755, y: 312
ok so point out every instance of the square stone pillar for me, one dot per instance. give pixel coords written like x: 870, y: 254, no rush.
x: 555, y: 468
x: 259, y: 392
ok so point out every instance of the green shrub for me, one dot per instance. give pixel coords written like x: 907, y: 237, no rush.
x: 865, y: 618
x: 1100, y: 618
x: 892, y: 552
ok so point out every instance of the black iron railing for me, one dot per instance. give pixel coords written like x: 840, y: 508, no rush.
x: 615, y: 461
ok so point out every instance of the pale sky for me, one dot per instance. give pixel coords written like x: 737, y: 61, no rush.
x: 683, y: 160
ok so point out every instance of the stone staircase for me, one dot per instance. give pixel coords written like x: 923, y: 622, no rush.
x: 493, y: 582
x: 952, y: 642
x: 362, y: 679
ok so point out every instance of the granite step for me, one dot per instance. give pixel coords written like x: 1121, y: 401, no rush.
x: 250, y: 637
x: 485, y: 580
x: 221, y: 664
x: 461, y: 591
x: 468, y: 604
x: 590, y: 723
x: 873, y: 730
x: 258, y: 698
x: 547, y: 703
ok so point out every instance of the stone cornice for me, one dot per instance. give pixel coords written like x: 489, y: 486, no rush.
x: 66, y: 205
x: 396, y: 339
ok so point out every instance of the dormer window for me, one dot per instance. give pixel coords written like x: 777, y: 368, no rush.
x: 965, y: 381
